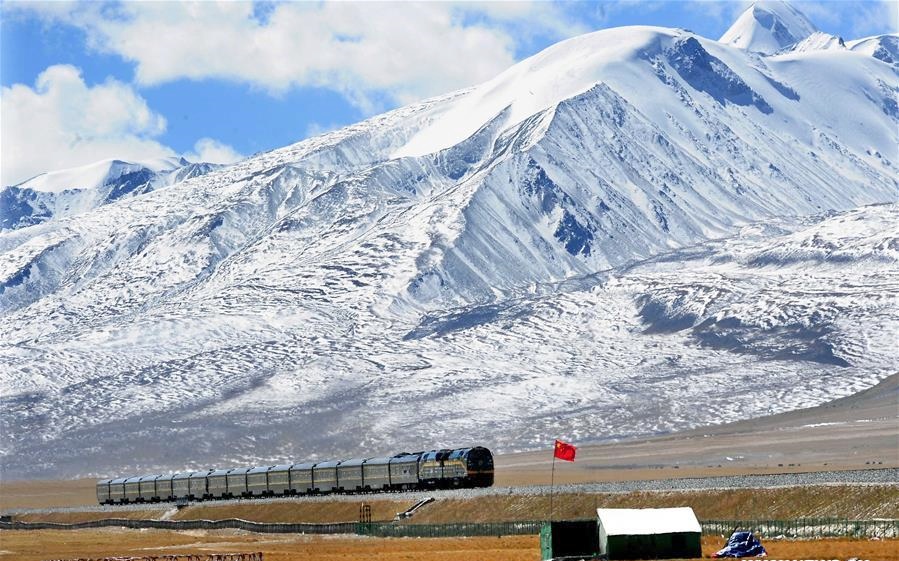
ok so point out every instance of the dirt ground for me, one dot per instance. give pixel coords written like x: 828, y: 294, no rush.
x: 44, y: 493
x: 856, y: 432
x: 43, y: 545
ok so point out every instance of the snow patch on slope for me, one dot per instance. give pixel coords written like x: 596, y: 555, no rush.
x: 818, y: 41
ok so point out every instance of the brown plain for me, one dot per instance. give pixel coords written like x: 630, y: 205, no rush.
x: 860, y: 431
x: 41, y: 545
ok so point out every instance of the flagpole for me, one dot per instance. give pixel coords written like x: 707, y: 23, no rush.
x: 552, y: 483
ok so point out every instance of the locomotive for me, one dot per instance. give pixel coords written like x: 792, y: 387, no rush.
x: 434, y: 469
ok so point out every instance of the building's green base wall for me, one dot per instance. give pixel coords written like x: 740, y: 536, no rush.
x: 686, y: 545
x: 571, y: 538
x: 546, y: 542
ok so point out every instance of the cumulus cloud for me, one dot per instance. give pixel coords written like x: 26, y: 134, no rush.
x: 315, y: 129
x: 365, y: 50
x: 62, y: 122
x: 870, y: 19
x: 214, y: 152
x: 863, y: 17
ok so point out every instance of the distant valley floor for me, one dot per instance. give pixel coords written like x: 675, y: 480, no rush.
x: 860, y: 432
x: 856, y: 432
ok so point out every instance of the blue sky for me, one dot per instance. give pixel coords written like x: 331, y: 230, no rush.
x: 94, y: 80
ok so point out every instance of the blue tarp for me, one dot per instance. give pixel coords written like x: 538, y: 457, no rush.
x: 742, y: 544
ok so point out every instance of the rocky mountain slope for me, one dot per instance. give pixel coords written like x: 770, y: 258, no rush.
x: 528, y: 258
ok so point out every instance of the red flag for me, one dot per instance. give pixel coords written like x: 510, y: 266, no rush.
x: 564, y: 451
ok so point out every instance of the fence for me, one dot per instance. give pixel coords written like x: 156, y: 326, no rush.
x: 230, y: 523
x: 457, y: 530
x: 807, y: 528
x: 796, y: 528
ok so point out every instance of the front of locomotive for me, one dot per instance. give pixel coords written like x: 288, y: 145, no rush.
x: 479, y: 465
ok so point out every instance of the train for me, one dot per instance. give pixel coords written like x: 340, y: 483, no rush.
x: 433, y: 469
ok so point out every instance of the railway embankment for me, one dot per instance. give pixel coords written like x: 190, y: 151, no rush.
x: 853, y: 501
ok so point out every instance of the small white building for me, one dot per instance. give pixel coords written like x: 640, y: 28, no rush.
x: 649, y: 533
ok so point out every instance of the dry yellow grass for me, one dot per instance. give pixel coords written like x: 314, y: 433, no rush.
x: 44, y: 493
x: 844, y: 501
x: 73, y: 517
x: 295, y: 510
x: 881, y: 550
x: 855, y: 502
x: 40, y: 545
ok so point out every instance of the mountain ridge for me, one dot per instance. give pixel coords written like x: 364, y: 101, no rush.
x: 62, y: 193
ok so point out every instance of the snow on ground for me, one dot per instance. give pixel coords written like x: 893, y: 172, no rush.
x: 719, y: 332
x: 94, y: 176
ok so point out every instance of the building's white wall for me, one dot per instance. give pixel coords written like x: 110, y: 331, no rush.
x: 603, y: 539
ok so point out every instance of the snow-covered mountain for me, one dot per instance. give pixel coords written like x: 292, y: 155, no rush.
x: 818, y: 41
x: 68, y: 192
x: 767, y: 27
x: 626, y: 225
x: 882, y: 47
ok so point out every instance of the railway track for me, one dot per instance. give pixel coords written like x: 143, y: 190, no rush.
x: 885, y: 476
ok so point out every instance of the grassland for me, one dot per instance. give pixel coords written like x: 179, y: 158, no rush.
x: 40, y: 545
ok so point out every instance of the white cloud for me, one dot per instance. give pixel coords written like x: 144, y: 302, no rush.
x: 62, y: 122
x: 214, y: 152
x: 863, y: 18
x: 725, y: 13
x: 871, y: 18
x: 363, y: 50
x: 315, y: 129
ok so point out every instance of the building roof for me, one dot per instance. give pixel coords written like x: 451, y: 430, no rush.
x: 640, y: 521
